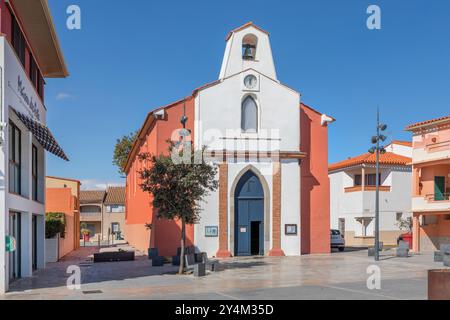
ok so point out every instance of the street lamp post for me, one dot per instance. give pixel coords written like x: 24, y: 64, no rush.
x: 378, y: 149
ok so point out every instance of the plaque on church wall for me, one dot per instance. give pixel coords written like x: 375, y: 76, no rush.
x: 291, y: 229
x: 211, y: 231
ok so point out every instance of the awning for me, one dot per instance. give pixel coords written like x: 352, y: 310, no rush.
x: 43, y: 135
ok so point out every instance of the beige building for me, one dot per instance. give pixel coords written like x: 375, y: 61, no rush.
x: 114, y: 211
x: 103, y: 212
x: 62, y: 196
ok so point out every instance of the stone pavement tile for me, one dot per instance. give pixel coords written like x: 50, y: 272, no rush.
x: 328, y: 276
x: 307, y: 292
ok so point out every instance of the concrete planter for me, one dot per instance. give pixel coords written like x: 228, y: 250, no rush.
x: 52, y: 249
x: 153, y: 253
x: 445, y: 251
x: 439, y: 284
x: 158, y: 262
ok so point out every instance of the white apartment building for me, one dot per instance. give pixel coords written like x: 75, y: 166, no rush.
x: 352, y: 198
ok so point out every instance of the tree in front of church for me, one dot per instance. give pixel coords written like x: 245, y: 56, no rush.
x: 178, y: 187
x: 121, y: 151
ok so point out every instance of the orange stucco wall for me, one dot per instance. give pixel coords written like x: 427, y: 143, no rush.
x: 315, y: 185
x: 433, y: 235
x: 427, y: 178
x: 165, y: 235
x: 434, y: 141
x: 61, y: 200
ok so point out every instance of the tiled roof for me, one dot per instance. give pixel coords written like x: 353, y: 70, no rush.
x: 402, y: 143
x: 115, y: 195
x: 388, y: 158
x: 91, y: 196
x: 425, y: 123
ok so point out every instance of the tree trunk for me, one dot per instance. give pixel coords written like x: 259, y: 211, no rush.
x: 183, y: 241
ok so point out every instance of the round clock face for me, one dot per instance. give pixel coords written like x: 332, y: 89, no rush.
x: 250, y: 81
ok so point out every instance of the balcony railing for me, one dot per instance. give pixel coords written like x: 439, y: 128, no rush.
x: 90, y: 214
x: 367, y: 188
x: 437, y: 197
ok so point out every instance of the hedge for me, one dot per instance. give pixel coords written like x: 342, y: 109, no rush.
x: 55, y: 222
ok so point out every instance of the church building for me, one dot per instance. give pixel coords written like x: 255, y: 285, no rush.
x: 272, y: 156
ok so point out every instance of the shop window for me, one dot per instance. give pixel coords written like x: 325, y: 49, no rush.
x: 15, y: 158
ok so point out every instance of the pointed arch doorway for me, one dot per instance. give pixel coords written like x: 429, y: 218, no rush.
x: 249, y: 228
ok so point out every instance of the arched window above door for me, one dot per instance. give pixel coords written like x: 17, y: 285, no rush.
x: 249, y: 115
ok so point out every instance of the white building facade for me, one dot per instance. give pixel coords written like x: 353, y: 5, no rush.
x: 352, y: 200
x: 273, y: 126
x: 24, y: 62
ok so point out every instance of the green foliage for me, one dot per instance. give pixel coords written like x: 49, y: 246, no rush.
x: 177, y: 189
x: 55, y: 222
x: 122, y: 150
x: 405, y: 224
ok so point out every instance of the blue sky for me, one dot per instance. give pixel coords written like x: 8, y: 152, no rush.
x: 131, y: 58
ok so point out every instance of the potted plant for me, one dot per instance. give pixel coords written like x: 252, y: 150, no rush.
x: 86, y: 234
x: 406, y: 225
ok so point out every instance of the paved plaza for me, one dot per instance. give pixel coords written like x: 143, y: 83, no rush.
x: 333, y: 276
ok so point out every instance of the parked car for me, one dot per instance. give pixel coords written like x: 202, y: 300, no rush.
x: 337, y: 240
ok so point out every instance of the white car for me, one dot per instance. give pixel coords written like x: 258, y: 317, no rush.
x: 337, y: 240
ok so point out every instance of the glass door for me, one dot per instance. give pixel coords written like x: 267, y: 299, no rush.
x: 14, y: 257
x: 34, y: 241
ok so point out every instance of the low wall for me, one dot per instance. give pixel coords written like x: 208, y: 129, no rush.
x: 389, y: 238
x: 137, y: 236
x: 66, y: 244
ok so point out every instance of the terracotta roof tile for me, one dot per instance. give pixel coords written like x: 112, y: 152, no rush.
x: 115, y: 195
x: 388, y: 158
x: 91, y: 196
x: 425, y: 123
x: 402, y: 143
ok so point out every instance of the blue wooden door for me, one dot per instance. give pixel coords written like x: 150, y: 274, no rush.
x: 249, y: 219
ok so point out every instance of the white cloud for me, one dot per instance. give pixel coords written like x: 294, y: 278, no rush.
x: 94, y: 184
x: 63, y: 96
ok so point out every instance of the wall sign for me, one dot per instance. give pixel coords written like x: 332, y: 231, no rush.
x: 27, y: 99
x: 291, y: 229
x: 10, y: 244
x: 211, y: 231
